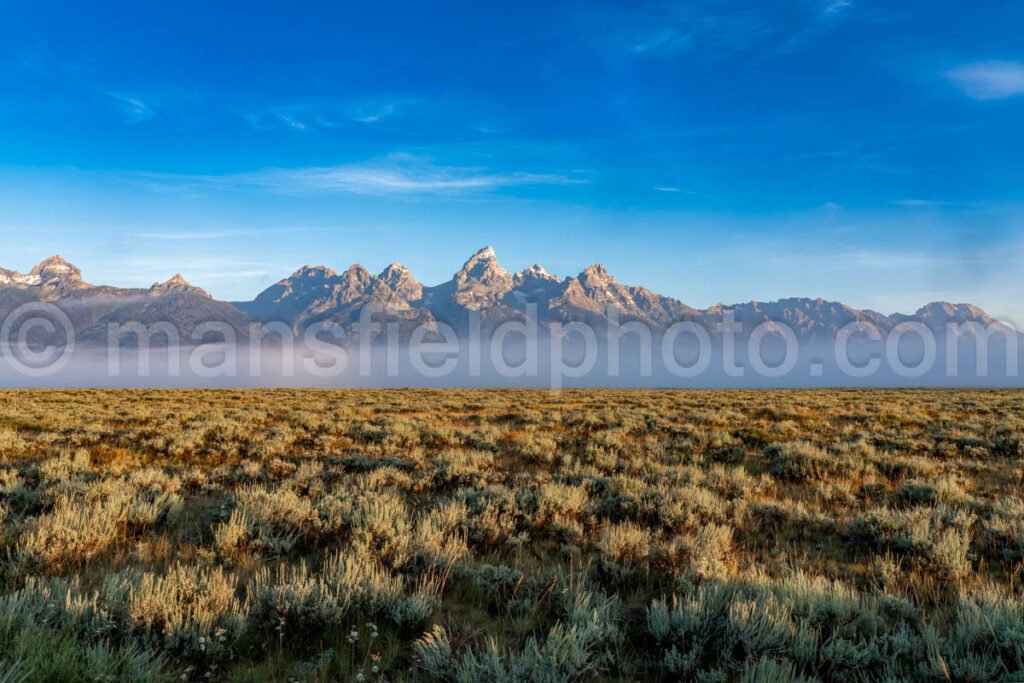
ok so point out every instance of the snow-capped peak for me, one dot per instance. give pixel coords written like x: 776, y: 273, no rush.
x: 53, y: 272
x: 535, y: 272
x: 484, y: 266
x: 485, y: 253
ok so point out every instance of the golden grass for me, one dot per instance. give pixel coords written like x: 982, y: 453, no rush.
x: 498, y: 535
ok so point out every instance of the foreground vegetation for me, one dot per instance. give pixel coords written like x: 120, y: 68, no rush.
x: 511, y: 536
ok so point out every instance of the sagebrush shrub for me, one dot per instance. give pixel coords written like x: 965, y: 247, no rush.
x: 624, y: 548
x: 800, y: 461
x: 79, y: 529
x: 510, y: 536
x: 189, y: 610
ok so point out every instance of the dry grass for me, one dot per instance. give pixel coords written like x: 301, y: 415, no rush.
x: 511, y: 535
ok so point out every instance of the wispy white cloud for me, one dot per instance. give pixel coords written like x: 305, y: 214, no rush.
x: 397, y: 174
x: 689, y: 28
x: 392, y: 179
x: 133, y: 108
x: 836, y: 6
x: 715, y: 30
x: 919, y: 203
x: 487, y: 129
x: 990, y: 80
x: 276, y: 119
x: 371, y: 113
x: 325, y: 116
x: 292, y: 122
x: 669, y: 40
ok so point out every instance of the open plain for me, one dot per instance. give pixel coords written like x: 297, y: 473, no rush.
x: 505, y: 535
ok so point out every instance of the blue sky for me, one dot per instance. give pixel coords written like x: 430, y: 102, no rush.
x: 858, y: 150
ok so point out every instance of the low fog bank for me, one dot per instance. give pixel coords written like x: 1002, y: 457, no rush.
x: 548, y: 363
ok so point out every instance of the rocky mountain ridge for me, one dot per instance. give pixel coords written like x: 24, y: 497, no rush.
x: 482, y: 290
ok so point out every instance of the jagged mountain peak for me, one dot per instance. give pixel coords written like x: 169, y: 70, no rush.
x: 596, y: 270
x: 401, y: 281
x: 177, y: 284
x: 480, y: 284
x: 482, y: 271
x: 484, y: 253
x: 939, y: 313
x: 56, y: 267
x: 535, y: 272
x: 54, y: 275
x: 313, y: 272
x: 483, y: 266
x: 351, y: 284
x: 356, y: 272
x: 55, y: 262
x: 949, y: 309
x: 534, y: 285
x: 316, y: 293
x: 293, y: 296
x: 596, y: 278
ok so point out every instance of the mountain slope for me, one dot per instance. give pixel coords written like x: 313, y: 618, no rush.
x: 176, y: 302
x: 92, y: 309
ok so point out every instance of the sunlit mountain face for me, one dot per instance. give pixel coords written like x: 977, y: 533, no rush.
x: 317, y: 294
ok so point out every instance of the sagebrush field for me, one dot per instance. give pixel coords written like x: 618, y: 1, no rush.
x: 511, y: 536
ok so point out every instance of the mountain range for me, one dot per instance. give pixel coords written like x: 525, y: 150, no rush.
x: 316, y: 294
